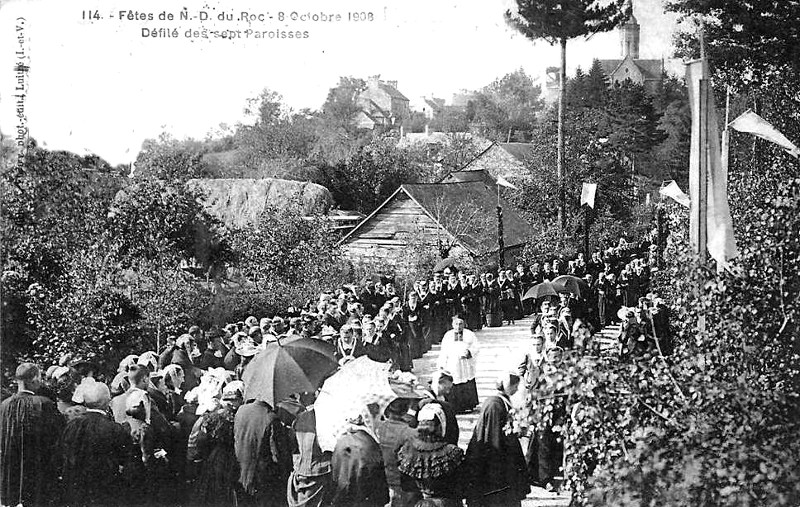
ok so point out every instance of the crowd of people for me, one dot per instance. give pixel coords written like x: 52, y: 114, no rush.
x: 173, y: 427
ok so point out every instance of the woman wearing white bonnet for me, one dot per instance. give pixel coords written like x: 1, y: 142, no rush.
x: 430, y: 464
x: 120, y: 383
x: 149, y: 359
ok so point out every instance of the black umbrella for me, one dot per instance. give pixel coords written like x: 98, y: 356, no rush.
x: 571, y: 284
x: 288, y: 367
x: 541, y: 290
x: 444, y: 263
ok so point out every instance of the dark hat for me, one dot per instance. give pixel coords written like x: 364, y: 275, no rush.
x: 26, y: 371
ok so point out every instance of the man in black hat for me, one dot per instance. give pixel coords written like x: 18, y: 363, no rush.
x: 29, y: 429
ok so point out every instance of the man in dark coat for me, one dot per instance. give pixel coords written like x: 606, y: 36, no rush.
x: 357, y: 471
x: 471, y: 301
x: 371, y: 299
x: 93, y: 447
x: 497, y: 471
x: 29, y: 429
x: 264, y: 450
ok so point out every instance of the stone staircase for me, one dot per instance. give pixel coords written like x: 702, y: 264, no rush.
x: 500, y: 349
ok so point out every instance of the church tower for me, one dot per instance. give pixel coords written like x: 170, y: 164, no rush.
x: 629, y: 38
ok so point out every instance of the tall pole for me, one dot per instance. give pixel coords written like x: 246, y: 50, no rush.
x: 562, y: 102
x: 701, y: 210
x: 586, y: 232
x: 501, y: 258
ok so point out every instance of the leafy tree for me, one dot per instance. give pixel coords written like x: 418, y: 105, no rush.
x: 750, y: 44
x: 370, y: 175
x: 341, y: 106
x: 169, y: 159
x: 589, y: 159
x: 154, y: 219
x: 518, y: 99
x: 485, y: 116
x: 56, y: 283
x: 557, y: 21
x: 276, y: 135
x: 671, y: 155
x: 576, y: 90
x: 450, y: 119
x: 596, y: 85
x: 284, y: 259
x: 716, y: 422
x: 631, y: 121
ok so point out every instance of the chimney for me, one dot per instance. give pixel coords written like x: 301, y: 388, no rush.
x: 393, y: 84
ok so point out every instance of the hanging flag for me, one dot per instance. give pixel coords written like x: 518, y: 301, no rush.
x: 505, y: 183
x: 721, y: 244
x: 588, y: 193
x: 673, y: 191
x: 752, y: 123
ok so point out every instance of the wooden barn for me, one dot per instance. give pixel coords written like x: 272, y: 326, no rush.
x: 458, y: 218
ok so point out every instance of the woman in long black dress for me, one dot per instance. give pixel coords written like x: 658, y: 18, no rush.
x: 493, y: 311
x: 215, y: 447
x: 471, y: 299
x: 508, y: 298
x: 412, y: 315
x: 439, y: 312
x: 497, y: 472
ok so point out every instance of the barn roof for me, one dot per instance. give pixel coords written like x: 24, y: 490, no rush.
x: 439, y: 200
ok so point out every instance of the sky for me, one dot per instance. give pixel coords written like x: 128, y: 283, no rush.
x: 104, y: 85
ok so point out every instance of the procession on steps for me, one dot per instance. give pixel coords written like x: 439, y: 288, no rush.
x: 239, y: 416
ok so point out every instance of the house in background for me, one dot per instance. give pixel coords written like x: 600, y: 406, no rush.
x: 452, y: 218
x: 462, y: 99
x: 381, y: 104
x: 428, y: 106
x: 498, y: 159
x: 648, y: 73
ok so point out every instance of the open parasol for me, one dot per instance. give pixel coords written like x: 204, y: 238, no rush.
x: 571, y: 284
x: 541, y: 290
x: 347, y: 393
x: 288, y: 367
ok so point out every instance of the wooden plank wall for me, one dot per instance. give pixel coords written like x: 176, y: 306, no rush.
x: 382, y: 242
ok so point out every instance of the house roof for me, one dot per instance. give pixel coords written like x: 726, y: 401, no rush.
x: 392, y: 91
x: 435, y: 104
x: 520, y: 151
x: 469, y: 175
x: 470, y: 195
